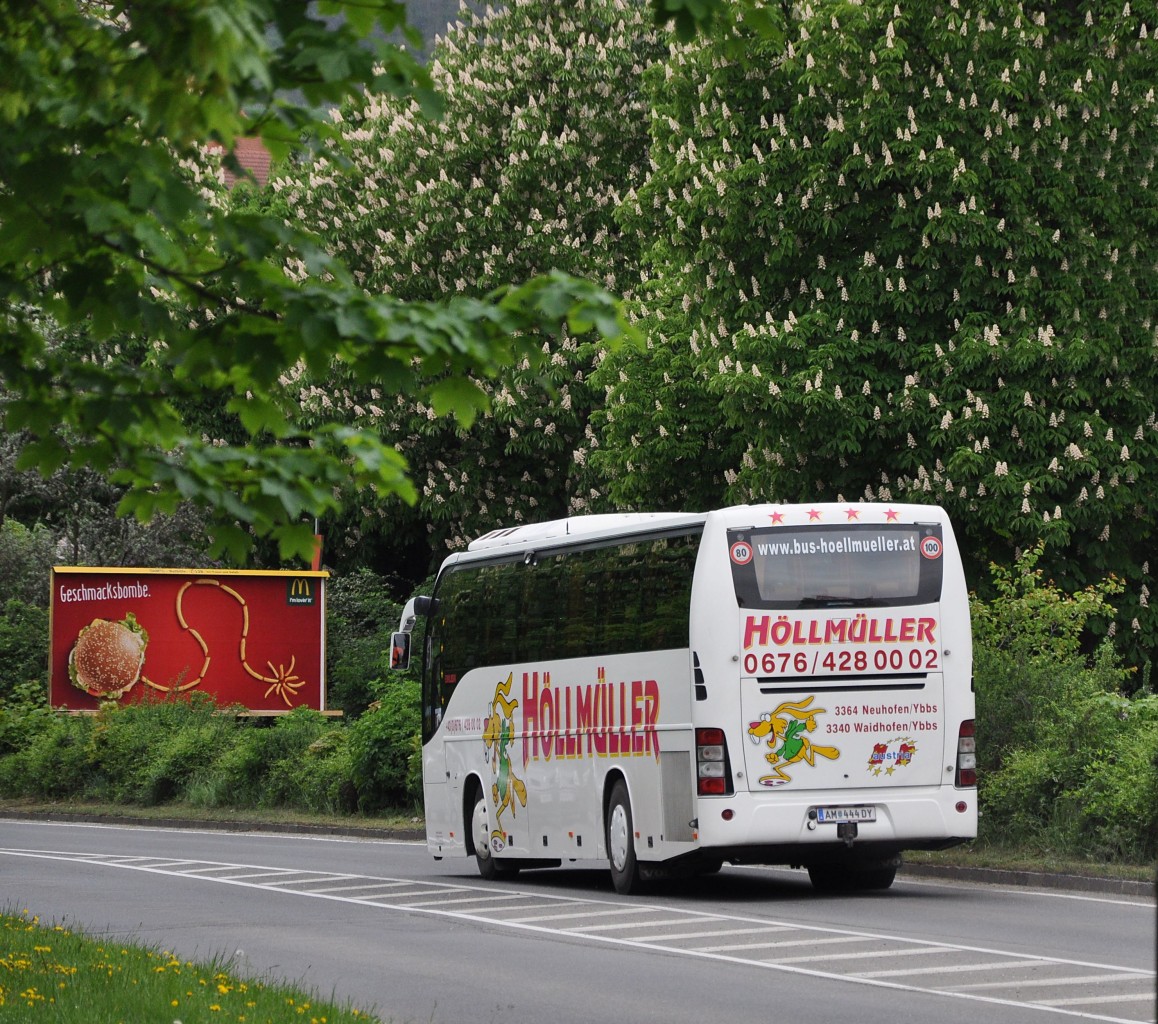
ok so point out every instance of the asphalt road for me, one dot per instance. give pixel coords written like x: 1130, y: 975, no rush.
x: 382, y: 925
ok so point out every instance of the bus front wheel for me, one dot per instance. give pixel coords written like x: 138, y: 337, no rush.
x: 480, y: 833
x: 621, y: 841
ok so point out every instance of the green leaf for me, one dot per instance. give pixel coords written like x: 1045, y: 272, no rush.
x: 259, y: 414
x: 458, y: 397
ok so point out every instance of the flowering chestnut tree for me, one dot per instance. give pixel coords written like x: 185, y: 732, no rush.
x: 907, y: 254
x: 545, y: 130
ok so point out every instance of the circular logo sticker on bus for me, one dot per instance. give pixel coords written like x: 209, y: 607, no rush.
x: 741, y: 552
x: 931, y: 547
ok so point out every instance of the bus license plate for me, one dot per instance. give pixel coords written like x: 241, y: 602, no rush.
x: 838, y: 815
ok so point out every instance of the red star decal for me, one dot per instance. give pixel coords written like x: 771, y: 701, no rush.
x: 852, y: 513
x: 777, y: 518
x: 813, y: 514
x: 892, y: 516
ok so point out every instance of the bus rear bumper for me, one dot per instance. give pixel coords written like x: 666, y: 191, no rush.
x: 924, y: 819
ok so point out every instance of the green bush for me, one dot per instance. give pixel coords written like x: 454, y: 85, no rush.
x: 1117, y: 791
x: 239, y: 773
x: 185, y: 756
x: 1029, y: 669
x: 145, y: 753
x: 1066, y: 761
x: 384, y: 746
x: 53, y: 765
x: 177, y: 750
x: 360, y: 616
x: 1019, y: 801
x: 1090, y: 790
x: 23, y: 645
x: 298, y: 761
x: 24, y: 715
x: 294, y: 755
x: 351, y: 673
x: 321, y: 780
x: 26, y: 555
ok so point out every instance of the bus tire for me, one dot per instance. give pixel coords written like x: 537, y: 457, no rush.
x: 879, y: 875
x: 861, y: 876
x: 480, y: 838
x: 621, y: 841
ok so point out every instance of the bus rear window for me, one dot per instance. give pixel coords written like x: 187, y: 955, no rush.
x: 845, y: 566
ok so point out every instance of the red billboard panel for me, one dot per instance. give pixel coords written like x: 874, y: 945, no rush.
x: 255, y: 639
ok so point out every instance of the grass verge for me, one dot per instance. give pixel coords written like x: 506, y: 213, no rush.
x: 50, y: 973
x: 400, y: 820
x: 1042, y: 861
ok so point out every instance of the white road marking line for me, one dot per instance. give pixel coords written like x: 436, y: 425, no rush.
x: 232, y: 867
x: 730, y: 931
x: 861, y: 954
x: 1125, y: 997
x: 1082, y: 979
x: 295, y: 878
x: 624, y: 925
x: 999, y: 965
x: 548, y: 917
x: 929, y: 882
x: 482, y: 900
x: 791, y: 943
x: 618, y: 912
x: 363, y: 885
x: 402, y: 894
x: 243, y: 878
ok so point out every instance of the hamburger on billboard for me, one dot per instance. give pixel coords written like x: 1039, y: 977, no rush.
x: 249, y: 638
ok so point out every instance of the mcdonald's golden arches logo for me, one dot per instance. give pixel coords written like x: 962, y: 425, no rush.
x: 299, y: 590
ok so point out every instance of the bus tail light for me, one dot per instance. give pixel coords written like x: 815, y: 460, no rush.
x: 713, y: 776
x: 966, y: 755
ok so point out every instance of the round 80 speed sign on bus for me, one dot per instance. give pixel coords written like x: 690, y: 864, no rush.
x: 741, y: 552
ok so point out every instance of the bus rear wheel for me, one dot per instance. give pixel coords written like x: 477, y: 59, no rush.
x: 621, y: 841
x: 857, y: 876
x: 480, y: 833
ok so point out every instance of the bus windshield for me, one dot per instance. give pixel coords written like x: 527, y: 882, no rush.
x: 843, y: 566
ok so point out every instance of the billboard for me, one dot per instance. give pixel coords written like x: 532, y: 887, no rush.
x: 249, y: 638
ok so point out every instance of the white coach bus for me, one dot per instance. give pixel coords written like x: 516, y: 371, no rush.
x: 787, y: 684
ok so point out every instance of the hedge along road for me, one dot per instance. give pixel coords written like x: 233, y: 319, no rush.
x: 381, y: 924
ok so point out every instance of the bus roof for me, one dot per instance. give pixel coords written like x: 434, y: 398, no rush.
x: 615, y: 524
x: 611, y: 524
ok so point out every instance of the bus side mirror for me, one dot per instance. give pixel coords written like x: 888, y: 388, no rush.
x: 399, y: 651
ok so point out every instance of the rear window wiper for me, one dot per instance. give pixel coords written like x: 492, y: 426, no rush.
x: 832, y: 601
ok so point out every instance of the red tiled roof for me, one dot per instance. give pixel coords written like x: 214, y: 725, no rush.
x: 252, y: 156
